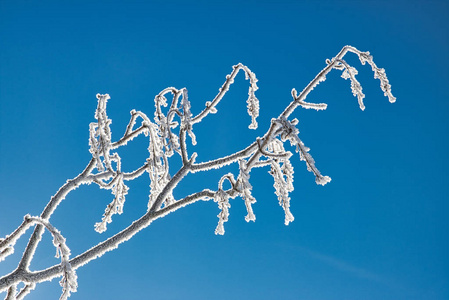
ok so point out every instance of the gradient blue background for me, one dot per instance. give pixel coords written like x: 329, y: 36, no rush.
x: 379, y: 230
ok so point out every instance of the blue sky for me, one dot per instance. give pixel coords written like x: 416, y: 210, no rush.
x: 379, y: 230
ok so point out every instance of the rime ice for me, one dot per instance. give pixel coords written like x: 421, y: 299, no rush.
x: 173, y: 121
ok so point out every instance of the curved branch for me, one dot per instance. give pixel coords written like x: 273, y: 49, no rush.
x: 272, y: 155
x: 251, y: 154
x: 68, y: 282
x: 210, y: 106
x: 125, y: 139
x: 69, y: 186
x: 230, y: 178
x: 103, y: 247
x: 161, y: 96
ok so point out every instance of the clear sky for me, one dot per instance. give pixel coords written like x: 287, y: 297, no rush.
x: 379, y: 230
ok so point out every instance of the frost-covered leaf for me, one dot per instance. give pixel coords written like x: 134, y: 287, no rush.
x: 245, y: 190
x: 158, y: 168
x: 119, y: 190
x: 169, y: 139
x: 187, y: 116
x: 283, y: 185
x: 379, y: 73
x: 290, y: 132
x: 253, y: 107
x: 349, y: 73
x: 222, y: 198
x: 252, y: 101
x: 100, y: 135
x: 69, y: 279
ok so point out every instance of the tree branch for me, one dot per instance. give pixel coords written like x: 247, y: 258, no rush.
x: 161, y: 199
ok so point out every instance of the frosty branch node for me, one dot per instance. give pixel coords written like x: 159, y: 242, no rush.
x: 167, y: 134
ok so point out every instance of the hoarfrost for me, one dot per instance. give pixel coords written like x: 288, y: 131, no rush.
x: 119, y: 189
x: 290, y: 132
x: 379, y: 73
x: 283, y: 186
x: 245, y: 191
x: 167, y: 137
x: 349, y: 73
x: 222, y: 198
x: 100, y: 134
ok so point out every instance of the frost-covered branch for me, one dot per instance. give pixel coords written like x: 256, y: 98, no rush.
x: 167, y: 140
x: 252, y: 101
x: 25, y: 290
x: 69, y: 281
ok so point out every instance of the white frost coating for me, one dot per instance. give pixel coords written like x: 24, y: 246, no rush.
x: 212, y: 109
x: 100, y: 134
x: 379, y: 73
x: 290, y: 132
x: 69, y: 279
x: 245, y: 188
x: 171, y: 141
x: 283, y: 186
x: 222, y: 198
x: 5, y: 252
x: 25, y: 290
x: 166, y: 123
x: 7, y: 244
x: 157, y: 166
x: 11, y: 294
x: 349, y: 73
x: 187, y: 116
x: 119, y: 189
x: 166, y: 138
x: 253, y: 102
x: 307, y: 105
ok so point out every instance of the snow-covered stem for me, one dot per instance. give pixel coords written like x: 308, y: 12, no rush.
x: 349, y: 73
x: 105, y: 246
x: 7, y: 244
x: 229, y: 177
x: 128, y: 137
x: 210, y: 106
x: 69, y: 186
x: 224, y: 161
x: 69, y: 280
x: 182, y: 138
x: 167, y: 137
